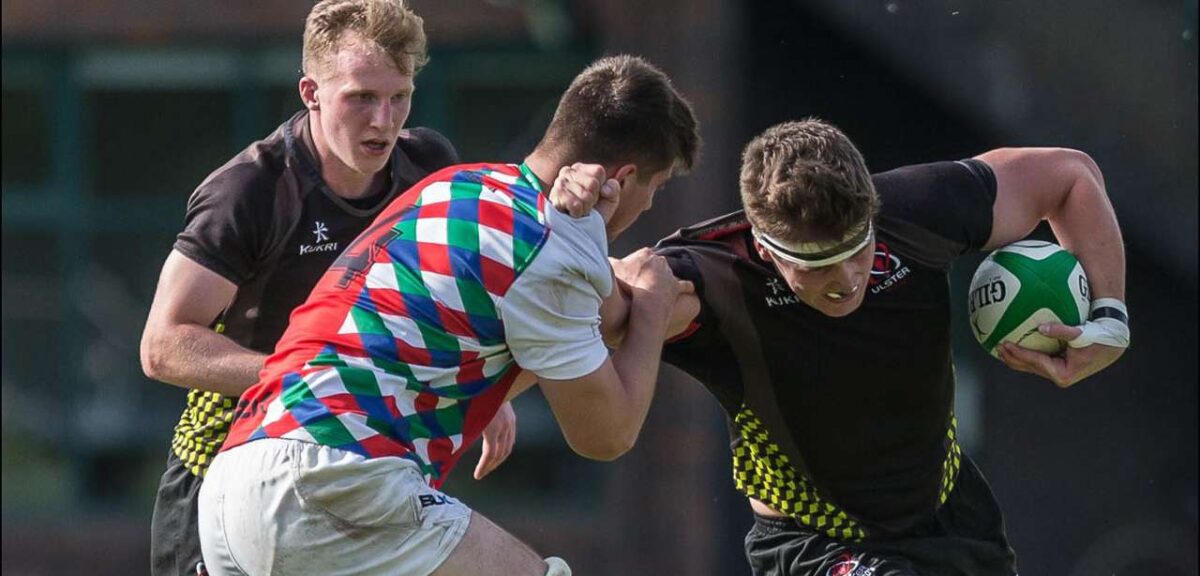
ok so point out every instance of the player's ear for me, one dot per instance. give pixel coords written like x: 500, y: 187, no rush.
x: 308, y: 92
x: 624, y: 172
x: 762, y: 251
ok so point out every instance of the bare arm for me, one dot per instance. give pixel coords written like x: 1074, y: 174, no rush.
x: 602, y: 413
x: 1065, y: 188
x: 179, y: 348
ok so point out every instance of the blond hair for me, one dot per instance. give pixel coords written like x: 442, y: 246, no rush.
x: 388, y: 24
x: 805, y: 181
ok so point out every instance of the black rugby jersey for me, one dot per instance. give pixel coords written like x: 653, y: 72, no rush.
x: 268, y: 222
x: 846, y: 423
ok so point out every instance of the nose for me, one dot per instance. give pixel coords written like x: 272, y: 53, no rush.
x: 381, y: 116
x: 847, y: 275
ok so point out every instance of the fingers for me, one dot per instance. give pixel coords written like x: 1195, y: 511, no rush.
x: 495, y: 452
x: 592, y: 171
x: 1052, y: 368
x: 578, y: 187
x: 1060, y: 331
x: 498, y: 439
x: 485, y: 461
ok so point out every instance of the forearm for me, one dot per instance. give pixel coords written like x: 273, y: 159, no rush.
x: 193, y: 356
x: 614, y: 315
x: 1086, y: 225
x: 637, y: 363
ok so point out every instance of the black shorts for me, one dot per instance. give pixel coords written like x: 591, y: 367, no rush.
x: 965, y: 538
x: 174, y: 535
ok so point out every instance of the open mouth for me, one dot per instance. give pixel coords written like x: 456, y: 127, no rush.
x: 376, y: 145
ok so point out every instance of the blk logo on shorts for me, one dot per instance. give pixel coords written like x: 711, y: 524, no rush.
x: 428, y: 500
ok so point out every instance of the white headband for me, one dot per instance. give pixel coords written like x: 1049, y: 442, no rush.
x: 817, y: 254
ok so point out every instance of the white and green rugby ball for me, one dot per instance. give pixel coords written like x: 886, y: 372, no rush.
x: 1021, y: 286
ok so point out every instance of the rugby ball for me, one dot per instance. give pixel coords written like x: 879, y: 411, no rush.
x: 1021, y: 286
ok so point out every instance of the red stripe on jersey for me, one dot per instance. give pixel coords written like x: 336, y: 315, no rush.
x: 388, y: 301
x: 435, y: 258
x: 380, y: 445
x: 496, y: 216
x: 425, y: 402
x: 496, y: 276
x: 440, y: 450
x: 718, y: 233
x: 413, y: 355
x: 342, y: 403
x: 471, y: 370
x: 286, y: 423
x: 440, y: 209
x: 454, y: 322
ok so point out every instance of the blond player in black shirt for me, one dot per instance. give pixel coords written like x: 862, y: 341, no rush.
x: 263, y: 228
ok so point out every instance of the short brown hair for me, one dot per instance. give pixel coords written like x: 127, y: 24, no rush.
x: 389, y: 24
x: 624, y: 109
x: 805, y: 181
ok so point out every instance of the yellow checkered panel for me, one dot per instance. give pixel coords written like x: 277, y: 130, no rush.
x: 762, y: 472
x: 202, y: 429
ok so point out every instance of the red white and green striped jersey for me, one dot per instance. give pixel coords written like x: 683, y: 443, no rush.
x: 408, y: 344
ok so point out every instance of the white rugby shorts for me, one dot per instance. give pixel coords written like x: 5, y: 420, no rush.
x: 275, y: 506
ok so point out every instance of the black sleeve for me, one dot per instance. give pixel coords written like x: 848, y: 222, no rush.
x: 703, y: 327
x: 938, y: 211
x: 430, y: 150
x: 228, y: 220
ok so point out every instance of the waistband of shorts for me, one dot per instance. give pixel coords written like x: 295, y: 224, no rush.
x: 776, y: 523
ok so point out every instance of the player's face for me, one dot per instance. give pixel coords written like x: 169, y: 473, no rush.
x: 835, y: 290
x: 637, y: 196
x: 362, y: 104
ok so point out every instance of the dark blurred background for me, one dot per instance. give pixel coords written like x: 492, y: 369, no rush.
x: 113, y: 111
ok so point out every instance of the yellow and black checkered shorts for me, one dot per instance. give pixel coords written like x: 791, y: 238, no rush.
x: 202, y: 429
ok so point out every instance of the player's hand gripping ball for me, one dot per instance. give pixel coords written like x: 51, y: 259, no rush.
x: 1021, y: 286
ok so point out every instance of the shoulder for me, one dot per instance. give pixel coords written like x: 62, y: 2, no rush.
x: 723, y: 238
x: 575, y: 249
x: 934, y: 182
x: 250, y: 176
x: 937, y: 211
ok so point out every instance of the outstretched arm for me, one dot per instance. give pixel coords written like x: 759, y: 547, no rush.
x: 1065, y: 188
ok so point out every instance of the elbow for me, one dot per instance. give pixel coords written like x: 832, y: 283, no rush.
x: 155, y: 360
x: 1085, y: 166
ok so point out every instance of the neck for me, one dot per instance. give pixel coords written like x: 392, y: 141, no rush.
x: 544, y: 166
x: 341, y: 179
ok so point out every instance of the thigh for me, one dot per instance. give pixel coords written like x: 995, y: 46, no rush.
x: 487, y: 550
x: 174, y: 536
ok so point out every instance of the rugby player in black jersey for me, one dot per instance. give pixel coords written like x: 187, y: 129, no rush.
x: 821, y: 323
x: 265, y: 226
